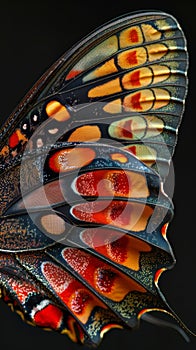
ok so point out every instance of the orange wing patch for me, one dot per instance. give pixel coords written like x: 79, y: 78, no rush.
x: 71, y: 159
x: 113, y: 107
x: 57, y: 111
x: 101, y: 52
x: 109, y: 88
x: 131, y: 36
x: 131, y: 58
x: 16, y: 138
x: 136, y: 127
x: 146, y: 154
x: 118, y: 183
x: 162, y: 98
x: 119, y: 157
x: 79, y: 299
x: 147, y: 99
x: 137, y: 78
x: 145, y: 76
x: 122, y: 214
x: 85, y: 133
x: 116, y: 246
x: 139, y: 101
x: 105, y: 279
x: 4, y: 151
x: 107, y: 68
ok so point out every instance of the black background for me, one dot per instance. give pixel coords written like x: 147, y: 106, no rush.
x: 32, y: 36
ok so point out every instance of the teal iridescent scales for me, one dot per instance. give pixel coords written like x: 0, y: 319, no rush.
x: 83, y: 161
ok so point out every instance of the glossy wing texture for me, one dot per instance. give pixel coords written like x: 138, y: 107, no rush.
x: 83, y: 161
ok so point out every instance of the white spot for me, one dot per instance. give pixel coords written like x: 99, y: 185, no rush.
x: 39, y: 143
x: 53, y: 131
x: 35, y: 118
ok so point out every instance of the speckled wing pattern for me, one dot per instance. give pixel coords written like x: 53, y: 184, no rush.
x: 78, y: 257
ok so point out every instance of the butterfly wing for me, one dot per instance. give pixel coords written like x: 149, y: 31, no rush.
x: 136, y: 68
x: 83, y: 160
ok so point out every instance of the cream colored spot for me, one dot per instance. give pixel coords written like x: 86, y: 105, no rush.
x: 156, y: 51
x: 39, y: 143
x: 162, y: 98
x: 53, y: 224
x: 113, y: 107
x: 150, y: 33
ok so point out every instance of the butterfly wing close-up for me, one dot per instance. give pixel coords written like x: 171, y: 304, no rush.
x: 83, y: 162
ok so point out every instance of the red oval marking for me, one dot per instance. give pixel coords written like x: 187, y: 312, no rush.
x: 132, y: 57
x: 126, y: 130
x: 107, y: 242
x: 123, y: 249
x: 96, y: 272
x: 118, y: 249
x: 78, y: 299
x: 103, y: 183
x: 133, y: 35
x: 132, y: 149
x: 135, y: 101
x: 14, y: 140
x: 72, y: 74
x: 135, y: 78
x: 104, y: 278
x: 104, y: 212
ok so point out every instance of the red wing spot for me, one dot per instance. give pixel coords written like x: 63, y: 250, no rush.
x: 135, y: 101
x: 22, y: 290
x: 133, y: 36
x: 105, y: 279
x: 79, y: 300
x: 126, y: 130
x: 120, y: 182
x: 132, y: 57
x: 118, y: 211
x: 51, y: 316
x: 89, y: 268
x: 13, y: 140
x: 72, y: 74
x: 88, y: 184
x: 135, y: 78
x: 132, y: 149
x: 117, y: 249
